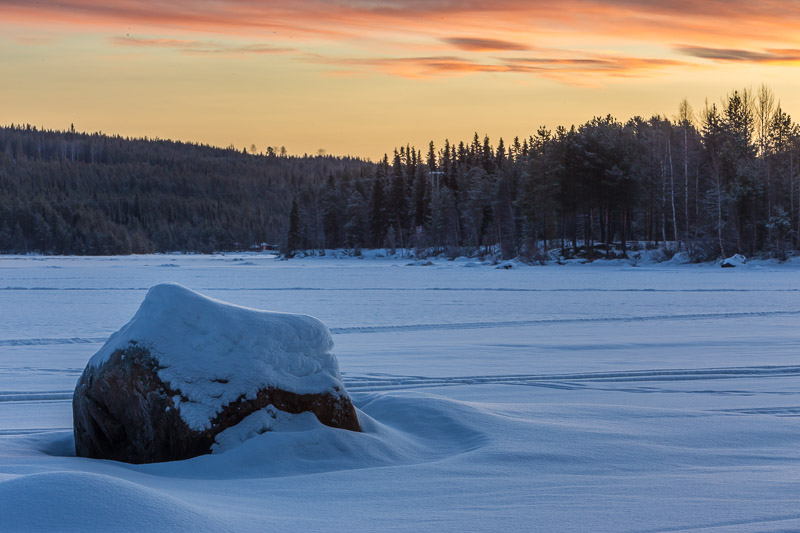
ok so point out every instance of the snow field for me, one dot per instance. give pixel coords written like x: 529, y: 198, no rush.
x: 574, y: 398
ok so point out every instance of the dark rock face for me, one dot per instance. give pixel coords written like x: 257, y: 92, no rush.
x: 124, y: 412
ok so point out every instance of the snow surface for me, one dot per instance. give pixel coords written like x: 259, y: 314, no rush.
x: 214, y: 353
x: 600, y: 397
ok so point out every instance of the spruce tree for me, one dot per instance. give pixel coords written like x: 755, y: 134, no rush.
x: 421, y: 197
x: 378, y: 217
x: 294, y: 238
x: 356, y: 226
x: 432, y: 158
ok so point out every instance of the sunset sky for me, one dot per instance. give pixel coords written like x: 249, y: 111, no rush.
x: 360, y: 77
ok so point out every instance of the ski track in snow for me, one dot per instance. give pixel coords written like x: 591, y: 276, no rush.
x: 376, y: 384
x: 568, y: 381
x: 549, y: 321
x: 454, y: 325
x: 30, y: 431
x: 409, y: 289
x: 788, y: 410
x: 790, y: 523
x: 52, y: 341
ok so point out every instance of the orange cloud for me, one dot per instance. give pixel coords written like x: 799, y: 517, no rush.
x: 552, y: 67
x: 191, y: 46
x: 407, y: 67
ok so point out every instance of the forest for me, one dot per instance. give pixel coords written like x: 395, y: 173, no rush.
x: 713, y: 182
x: 93, y: 194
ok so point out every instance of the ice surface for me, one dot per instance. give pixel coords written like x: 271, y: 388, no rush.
x: 600, y: 397
x: 213, y: 353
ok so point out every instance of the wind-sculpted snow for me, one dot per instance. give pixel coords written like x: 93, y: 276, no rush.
x: 83, y: 501
x: 398, y: 431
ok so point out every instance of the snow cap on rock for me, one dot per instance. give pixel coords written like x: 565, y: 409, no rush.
x: 214, y: 352
x: 734, y: 261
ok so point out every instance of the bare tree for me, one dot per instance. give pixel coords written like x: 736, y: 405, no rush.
x: 711, y: 126
x: 685, y: 121
x: 765, y: 110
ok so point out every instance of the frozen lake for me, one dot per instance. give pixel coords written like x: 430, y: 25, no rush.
x: 597, y: 397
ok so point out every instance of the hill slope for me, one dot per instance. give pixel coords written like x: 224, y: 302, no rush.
x: 77, y: 193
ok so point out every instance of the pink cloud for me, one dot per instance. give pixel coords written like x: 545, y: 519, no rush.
x: 744, y: 31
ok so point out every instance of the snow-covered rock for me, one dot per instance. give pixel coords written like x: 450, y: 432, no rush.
x: 734, y: 261
x: 681, y: 258
x: 188, y: 367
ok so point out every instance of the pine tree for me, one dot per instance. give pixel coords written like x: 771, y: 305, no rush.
x: 331, y: 211
x: 378, y: 215
x: 5, y: 237
x: 421, y: 197
x: 397, y: 200
x: 500, y: 156
x: 356, y: 226
x: 432, y: 157
x: 294, y: 238
x: 487, y: 157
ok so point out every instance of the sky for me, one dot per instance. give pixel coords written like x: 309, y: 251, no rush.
x: 360, y: 77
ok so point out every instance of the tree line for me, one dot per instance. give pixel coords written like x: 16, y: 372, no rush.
x: 713, y: 183
x: 63, y: 192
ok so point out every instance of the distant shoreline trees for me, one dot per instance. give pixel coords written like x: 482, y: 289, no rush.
x: 92, y: 194
x: 713, y: 183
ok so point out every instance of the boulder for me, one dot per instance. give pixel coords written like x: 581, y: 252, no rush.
x: 188, y: 367
x: 681, y: 258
